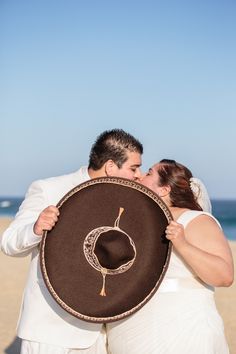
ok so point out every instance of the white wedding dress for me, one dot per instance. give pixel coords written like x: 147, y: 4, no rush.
x: 181, y: 317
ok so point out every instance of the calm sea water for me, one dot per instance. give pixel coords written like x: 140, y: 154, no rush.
x: 223, y: 210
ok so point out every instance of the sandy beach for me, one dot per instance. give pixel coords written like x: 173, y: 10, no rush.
x: 13, y: 276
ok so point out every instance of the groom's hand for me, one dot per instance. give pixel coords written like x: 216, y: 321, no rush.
x: 46, y: 220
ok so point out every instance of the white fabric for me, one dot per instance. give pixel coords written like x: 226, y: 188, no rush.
x: 201, y: 194
x: 178, y: 284
x: 182, y: 320
x: 99, y: 347
x: 42, y: 319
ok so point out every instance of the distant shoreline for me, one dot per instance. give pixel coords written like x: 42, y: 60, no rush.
x: 5, y: 220
x: 224, y: 210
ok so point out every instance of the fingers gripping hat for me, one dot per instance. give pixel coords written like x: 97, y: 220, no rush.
x: 107, y: 254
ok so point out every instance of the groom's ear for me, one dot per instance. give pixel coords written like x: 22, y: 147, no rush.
x: 110, y: 167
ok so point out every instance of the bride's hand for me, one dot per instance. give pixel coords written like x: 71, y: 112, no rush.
x: 175, y: 233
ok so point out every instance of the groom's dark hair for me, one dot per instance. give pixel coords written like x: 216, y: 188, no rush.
x: 113, y: 145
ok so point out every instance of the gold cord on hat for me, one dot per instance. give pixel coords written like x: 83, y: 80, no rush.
x: 116, y: 224
x: 104, y: 273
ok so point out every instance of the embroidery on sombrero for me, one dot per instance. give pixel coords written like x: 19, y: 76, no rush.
x: 109, y: 250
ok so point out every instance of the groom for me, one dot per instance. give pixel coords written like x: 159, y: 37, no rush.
x: 43, y: 325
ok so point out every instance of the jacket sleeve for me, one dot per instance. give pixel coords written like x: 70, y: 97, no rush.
x: 19, y: 238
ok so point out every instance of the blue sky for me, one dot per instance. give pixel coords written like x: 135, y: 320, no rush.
x: 163, y: 70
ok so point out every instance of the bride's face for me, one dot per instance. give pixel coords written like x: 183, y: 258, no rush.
x: 151, y: 179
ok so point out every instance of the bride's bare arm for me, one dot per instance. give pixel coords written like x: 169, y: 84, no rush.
x: 204, y: 248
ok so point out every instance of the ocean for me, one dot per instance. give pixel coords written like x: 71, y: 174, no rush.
x: 223, y: 210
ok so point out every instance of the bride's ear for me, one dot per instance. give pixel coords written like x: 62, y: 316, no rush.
x: 164, y: 191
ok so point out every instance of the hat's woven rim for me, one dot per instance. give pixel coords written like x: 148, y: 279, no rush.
x: 112, y: 180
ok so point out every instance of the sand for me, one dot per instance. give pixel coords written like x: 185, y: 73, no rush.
x: 12, y: 279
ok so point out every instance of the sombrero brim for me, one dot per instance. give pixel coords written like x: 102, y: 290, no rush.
x: 69, y: 277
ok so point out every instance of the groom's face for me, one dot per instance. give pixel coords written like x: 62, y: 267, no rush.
x: 130, y: 168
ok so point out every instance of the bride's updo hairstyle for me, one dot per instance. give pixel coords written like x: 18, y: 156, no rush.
x: 177, y: 176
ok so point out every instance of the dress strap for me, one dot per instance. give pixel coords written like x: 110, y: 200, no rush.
x: 189, y: 215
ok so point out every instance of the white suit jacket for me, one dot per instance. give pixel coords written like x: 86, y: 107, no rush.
x: 41, y: 318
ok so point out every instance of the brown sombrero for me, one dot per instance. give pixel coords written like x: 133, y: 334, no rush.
x: 107, y: 254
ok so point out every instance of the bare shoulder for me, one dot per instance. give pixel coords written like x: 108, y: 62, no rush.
x: 204, y: 221
x: 205, y: 232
